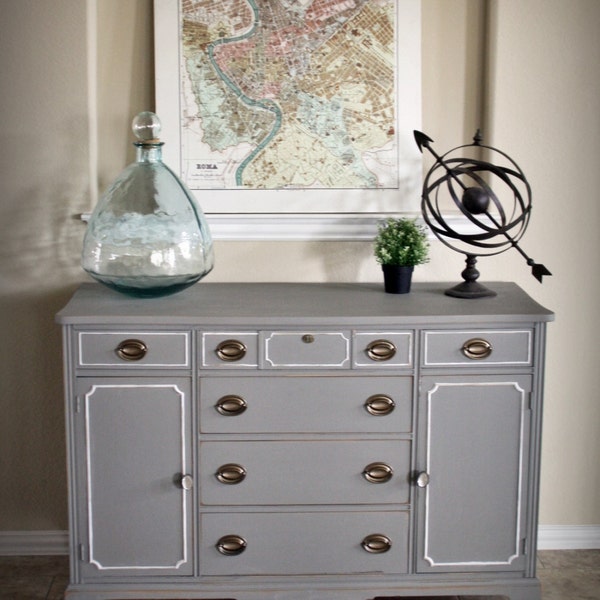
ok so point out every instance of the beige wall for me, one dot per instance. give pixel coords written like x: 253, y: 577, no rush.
x: 545, y: 107
x: 538, y: 101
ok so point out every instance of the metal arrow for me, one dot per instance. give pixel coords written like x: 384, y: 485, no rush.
x: 424, y: 141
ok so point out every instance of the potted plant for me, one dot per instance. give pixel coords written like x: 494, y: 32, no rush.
x: 400, y: 245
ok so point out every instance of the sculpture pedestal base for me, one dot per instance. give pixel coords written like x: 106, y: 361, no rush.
x: 470, y: 288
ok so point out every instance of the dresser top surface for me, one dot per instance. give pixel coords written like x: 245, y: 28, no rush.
x: 299, y: 303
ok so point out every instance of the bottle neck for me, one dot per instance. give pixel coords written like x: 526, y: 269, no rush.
x: 148, y: 153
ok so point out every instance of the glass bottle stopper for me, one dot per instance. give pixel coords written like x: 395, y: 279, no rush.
x: 146, y: 127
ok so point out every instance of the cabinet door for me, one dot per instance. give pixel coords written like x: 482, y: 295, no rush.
x: 473, y: 458
x: 134, y: 449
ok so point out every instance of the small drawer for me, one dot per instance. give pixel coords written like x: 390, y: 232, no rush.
x: 304, y: 472
x: 477, y: 348
x: 383, y: 349
x: 304, y: 543
x: 229, y: 350
x: 133, y: 349
x: 296, y: 404
x: 298, y: 349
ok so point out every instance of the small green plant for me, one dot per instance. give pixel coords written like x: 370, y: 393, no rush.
x: 401, y: 241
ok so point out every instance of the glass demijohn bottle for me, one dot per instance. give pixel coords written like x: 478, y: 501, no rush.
x: 147, y: 235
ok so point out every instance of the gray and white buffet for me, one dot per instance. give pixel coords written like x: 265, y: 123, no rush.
x: 303, y: 442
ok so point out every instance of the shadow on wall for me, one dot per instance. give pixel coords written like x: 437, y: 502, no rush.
x: 32, y: 441
x: 39, y: 270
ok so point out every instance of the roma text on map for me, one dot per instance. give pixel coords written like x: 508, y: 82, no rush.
x: 289, y: 94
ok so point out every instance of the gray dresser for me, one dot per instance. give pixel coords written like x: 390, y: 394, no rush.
x: 303, y: 442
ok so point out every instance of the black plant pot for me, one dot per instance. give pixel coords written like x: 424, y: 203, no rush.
x: 397, y: 278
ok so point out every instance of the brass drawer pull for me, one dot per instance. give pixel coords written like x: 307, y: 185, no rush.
x: 378, y: 472
x: 376, y: 543
x: 477, y: 348
x: 379, y: 405
x: 231, y: 545
x: 231, y: 474
x: 380, y: 350
x: 231, y: 406
x: 131, y: 350
x: 231, y: 350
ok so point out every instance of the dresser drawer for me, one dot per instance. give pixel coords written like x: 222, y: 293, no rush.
x: 304, y: 543
x: 133, y: 349
x: 304, y: 472
x: 298, y: 349
x: 383, y: 349
x: 229, y: 350
x: 296, y: 404
x: 477, y: 348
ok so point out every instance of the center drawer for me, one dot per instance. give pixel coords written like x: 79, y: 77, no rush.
x: 304, y: 543
x: 293, y: 349
x: 296, y: 404
x: 304, y: 472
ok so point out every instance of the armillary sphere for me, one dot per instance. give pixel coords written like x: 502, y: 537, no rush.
x: 494, y: 207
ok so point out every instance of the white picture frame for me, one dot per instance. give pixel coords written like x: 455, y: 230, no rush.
x: 298, y: 214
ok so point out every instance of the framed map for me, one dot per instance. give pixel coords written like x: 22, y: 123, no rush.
x: 294, y: 111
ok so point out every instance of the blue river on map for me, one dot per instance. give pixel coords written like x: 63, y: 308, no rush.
x: 263, y: 104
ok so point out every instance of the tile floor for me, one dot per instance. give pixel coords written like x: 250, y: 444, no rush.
x: 565, y: 575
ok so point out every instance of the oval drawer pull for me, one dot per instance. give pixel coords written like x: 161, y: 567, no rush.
x: 477, y: 348
x: 131, y: 350
x: 231, y: 545
x: 379, y: 405
x: 376, y: 543
x: 380, y: 350
x: 378, y: 472
x: 231, y: 474
x: 231, y: 350
x: 231, y: 405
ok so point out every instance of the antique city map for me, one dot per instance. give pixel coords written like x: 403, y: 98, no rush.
x: 289, y: 94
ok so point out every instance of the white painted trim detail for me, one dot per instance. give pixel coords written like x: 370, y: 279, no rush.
x: 482, y: 363
x: 125, y: 334
x: 383, y: 334
x: 523, y: 403
x: 90, y: 491
x: 274, y: 334
x: 209, y: 349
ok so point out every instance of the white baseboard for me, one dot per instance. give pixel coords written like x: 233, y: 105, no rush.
x: 568, y: 537
x: 29, y: 543
x: 550, y: 537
